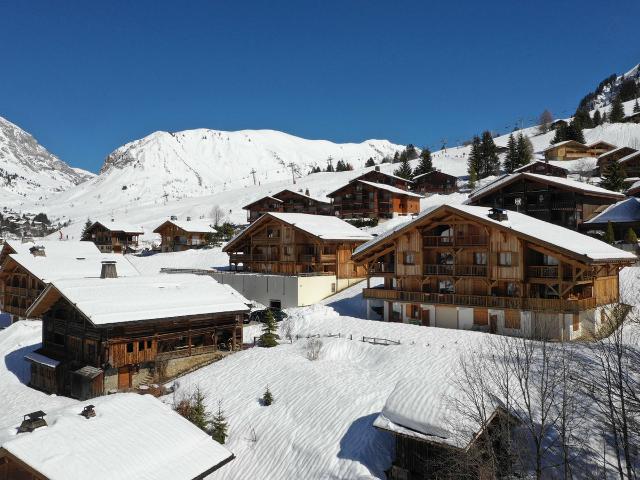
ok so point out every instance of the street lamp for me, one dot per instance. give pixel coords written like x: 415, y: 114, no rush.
x: 518, y: 202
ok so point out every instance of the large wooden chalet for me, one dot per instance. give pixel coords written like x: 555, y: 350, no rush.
x: 573, y: 150
x: 557, y: 200
x: 113, y: 237
x: 179, y: 235
x: 112, y: 333
x: 287, y: 201
x: 435, y: 181
x: 475, y: 267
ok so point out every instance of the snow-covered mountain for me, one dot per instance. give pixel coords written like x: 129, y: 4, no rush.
x: 610, y: 87
x: 28, y: 170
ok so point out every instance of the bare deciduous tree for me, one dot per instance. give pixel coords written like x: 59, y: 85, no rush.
x: 545, y: 121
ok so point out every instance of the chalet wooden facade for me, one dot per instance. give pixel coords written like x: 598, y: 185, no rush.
x: 377, y: 176
x: 364, y: 199
x: 435, y: 182
x: 475, y: 267
x: 616, y: 154
x: 180, y: 235
x: 297, y: 243
x: 557, y: 200
x: 287, y: 201
x: 111, y: 237
x: 94, y: 343
x: 543, y: 168
x: 572, y: 150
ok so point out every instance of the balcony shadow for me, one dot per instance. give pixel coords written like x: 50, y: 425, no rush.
x: 365, y: 444
x: 16, y: 364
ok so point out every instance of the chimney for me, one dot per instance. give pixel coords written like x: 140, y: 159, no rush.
x: 31, y: 421
x: 108, y: 269
x: 188, y: 219
x: 173, y: 217
x: 306, y: 192
x: 498, y: 214
x: 38, y: 251
x: 88, y: 412
x: 377, y: 168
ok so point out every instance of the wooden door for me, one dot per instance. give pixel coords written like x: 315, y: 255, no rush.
x: 493, y: 323
x: 124, y: 378
x: 425, y: 317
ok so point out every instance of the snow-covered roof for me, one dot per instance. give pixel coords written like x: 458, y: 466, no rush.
x: 565, y: 142
x: 315, y: 199
x: 56, y: 248
x: 119, y: 226
x: 542, y: 162
x: 191, y: 226
x: 390, y: 188
x: 629, y: 157
x: 627, y: 210
x: 131, y: 436
x: 106, y: 301
x: 261, y: 199
x: 431, y: 173
x: 50, y: 268
x: 43, y: 359
x: 537, y: 230
x: 558, y: 181
x: 614, y: 151
x: 390, y: 175
x: 326, y: 227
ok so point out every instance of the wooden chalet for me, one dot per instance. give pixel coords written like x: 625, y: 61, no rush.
x: 573, y: 150
x: 616, y: 154
x: 435, y: 181
x: 297, y: 243
x: 113, y: 237
x: 287, y: 201
x: 180, y: 235
x: 377, y: 176
x: 111, y: 333
x: 633, y: 118
x: 560, y: 201
x: 122, y: 436
x: 364, y: 199
x: 543, y: 168
x: 622, y: 216
x: 475, y: 267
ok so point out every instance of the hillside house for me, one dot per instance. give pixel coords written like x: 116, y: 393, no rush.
x: 623, y: 216
x: 375, y: 175
x: 543, y: 168
x: 287, y: 201
x: 117, y: 437
x: 616, y: 154
x: 180, y: 235
x: 573, y: 150
x: 313, y: 250
x: 435, y: 181
x: 114, y: 333
x: 560, y: 201
x: 489, y: 269
x: 113, y: 237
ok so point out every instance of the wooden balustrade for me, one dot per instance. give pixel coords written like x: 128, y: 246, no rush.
x: 381, y: 267
x: 543, y: 271
x: 458, y: 241
x: 456, y: 270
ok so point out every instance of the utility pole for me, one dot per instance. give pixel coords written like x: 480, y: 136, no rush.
x: 292, y: 166
x: 253, y: 172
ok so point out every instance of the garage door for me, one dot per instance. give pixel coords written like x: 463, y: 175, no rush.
x: 446, y: 317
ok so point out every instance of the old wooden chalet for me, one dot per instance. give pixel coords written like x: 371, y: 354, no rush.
x: 112, y: 333
x: 377, y: 176
x: 543, y: 168
x: 557, y: 200
x: 287, y: 201
x: 573, y: 150
x: 477, y: 267
x: 435, y: 181
x: 113, y: 237
x: 622, y: 216
x: 616, y: 154
x: 122, y: 436
x: 179, y: 235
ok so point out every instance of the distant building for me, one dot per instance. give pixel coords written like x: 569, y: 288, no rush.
x: 633, y: 118
x: 557, y: 200
x: 377, y: 176
x: 435, y: 181
x: 616, y: 154
x: 113, y: 237
x: 179, y: 235
x: 543, y: 168
x: 113, y: 333
x: 287, y: 201
x: 572, y: 150
x: 622, y: 215
x: 121, y: 436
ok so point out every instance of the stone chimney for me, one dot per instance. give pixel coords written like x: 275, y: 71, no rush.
x: 32, y: 421
x: 108, y: 269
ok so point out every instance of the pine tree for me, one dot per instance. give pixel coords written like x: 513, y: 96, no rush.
x: 396, y: 157
x: 613, y: 177
x: 411, y: 152
x: 489, y: 160
x: 636, y: 107
x: 574, y: 132
x: 85, y: 229
x: 524, y: 150
x: 511, y: 159
x: 341, y: 166
x: 404, y: 170
x: 616, y: 114
x: 631, y: 237
x: 582, y: 118
x: 267, y: 398
x: 370, y: 163
x: 425, y: 165
x: 473, y: 164
x: 609, y: 235
x: 194, y: 409
x: 269, y: 337
x: 219, y: 426
x: 597, y: 118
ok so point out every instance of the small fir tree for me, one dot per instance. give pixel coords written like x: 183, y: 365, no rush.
x: 219, y: 426
x: 425, y: 165
x: 473, y: 163
x: 396, y: 157
x: 582, y: 118
x: 194, y: 409
x: 511, y: 158
x: 597, y: 118
x: 524, y: 150
x: 269, y: 337
x: 489, y: 160
x: 411, y: 152
x: 85, y: 229
x: 370, y: 162
x: 404, y: 170
x: 613, y: 177
x: 609, y: 236
x: 267, y: 397
x: 616, y: 114
x: 631, y: 236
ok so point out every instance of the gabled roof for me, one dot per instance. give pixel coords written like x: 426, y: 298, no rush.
x: 260, y: 200
x: 107, y: 301
x: 559, y: 182
x: 541, y: 162
x: 390, y: 175
x: 601, y: 142
x: 380, y: 186
x: 323, y: 227
x: 564, y: 143
x: 629, y: 157
x: 189, y: 226
x: 54, y: 248
x: 131, y: 436
x: 433, y: 172
x: 300, y: 194
x: 614, y: 151
x: 113, y: 226
x: 625, y: 211
x: 536, y: 231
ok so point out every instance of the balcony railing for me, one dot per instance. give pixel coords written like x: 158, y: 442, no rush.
x: 459, y: 241
x: 380, y: 268
x: 543, y: 271
x: 539, y: 304
x: 456, y: 270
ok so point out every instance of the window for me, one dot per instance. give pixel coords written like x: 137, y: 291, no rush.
x: 141, y: 345
x: 445, y: 286
x: 547, y: 260
x: 504, y: 259
x: 409, y: 258
x: 512, y: 289
x: 480, y: 258
x: 130, y: 347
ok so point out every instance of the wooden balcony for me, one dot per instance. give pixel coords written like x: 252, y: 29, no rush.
x: 266, y: 239
x: 21, y: 312
x: 456, y: 270
x: 453, y: 241
x: 543, y: 271
x: 382, y: 268
x: 485, y: 301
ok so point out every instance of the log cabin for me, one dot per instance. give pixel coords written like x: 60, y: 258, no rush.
x: 489, y: 269
x: 363, y: 199
x: 122, y: 436
x: 112, y: 333
x: 573, y: 150
x: 543, y: 168
x: 180, y: 235
x: 113, y: 237
x: 616, y: 154
x: 287, y: 201
x: 435, y: 181
x: 377, y: 176
x: 561, y: 201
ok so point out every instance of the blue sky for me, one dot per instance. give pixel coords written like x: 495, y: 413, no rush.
x: 85, y: 77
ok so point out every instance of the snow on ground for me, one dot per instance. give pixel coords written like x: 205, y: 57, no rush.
x: 205, y: 258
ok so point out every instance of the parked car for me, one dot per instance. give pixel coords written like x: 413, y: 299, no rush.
x: 259, y: 315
